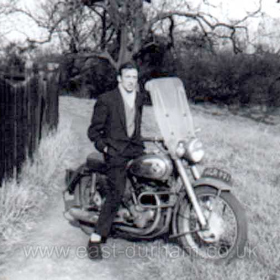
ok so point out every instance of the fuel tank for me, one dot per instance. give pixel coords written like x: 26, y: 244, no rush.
x: 156, y: 167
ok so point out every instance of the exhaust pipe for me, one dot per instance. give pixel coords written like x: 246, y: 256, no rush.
x: 83, y: 215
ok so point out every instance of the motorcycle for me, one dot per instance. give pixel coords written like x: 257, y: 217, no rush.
x: 165, y: 192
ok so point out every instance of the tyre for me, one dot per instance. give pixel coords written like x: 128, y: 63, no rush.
x: 226, y: 235
x: 89, y: 200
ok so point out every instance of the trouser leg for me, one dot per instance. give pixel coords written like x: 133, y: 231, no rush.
x: 116, y: 175
x: 116, y: 183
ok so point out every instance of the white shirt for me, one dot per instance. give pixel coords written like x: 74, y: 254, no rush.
x: 129, y: 107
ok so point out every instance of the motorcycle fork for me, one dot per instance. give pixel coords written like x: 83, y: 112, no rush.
x: 191, y: 193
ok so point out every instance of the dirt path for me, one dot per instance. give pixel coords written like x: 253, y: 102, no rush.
x: 57, y: 249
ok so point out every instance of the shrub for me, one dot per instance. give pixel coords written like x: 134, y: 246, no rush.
x: 228, y: 78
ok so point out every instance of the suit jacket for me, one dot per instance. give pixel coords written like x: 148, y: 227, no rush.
x: 108, y: 123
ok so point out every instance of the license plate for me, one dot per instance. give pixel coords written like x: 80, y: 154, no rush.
x: 217, y: 173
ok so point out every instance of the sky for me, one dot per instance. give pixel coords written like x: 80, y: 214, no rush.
x: 265, y: 28
x: 237, y: 8
x: 18, y: 27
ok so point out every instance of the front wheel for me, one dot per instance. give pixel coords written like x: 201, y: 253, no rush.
x: 226, y: 233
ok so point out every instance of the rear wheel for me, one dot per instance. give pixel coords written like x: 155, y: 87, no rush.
x: 88, y: 198
x: 226, y: 235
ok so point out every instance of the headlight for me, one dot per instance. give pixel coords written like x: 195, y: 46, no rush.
x: 194, y: 151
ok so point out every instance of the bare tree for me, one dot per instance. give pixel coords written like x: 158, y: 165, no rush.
x: 118, y: 30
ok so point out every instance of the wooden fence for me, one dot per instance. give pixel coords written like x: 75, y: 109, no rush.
x: 28, y: 110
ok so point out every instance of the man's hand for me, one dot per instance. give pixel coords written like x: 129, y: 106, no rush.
x: 105, y: 150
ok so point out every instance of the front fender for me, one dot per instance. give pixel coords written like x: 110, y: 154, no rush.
x: 212, y: 182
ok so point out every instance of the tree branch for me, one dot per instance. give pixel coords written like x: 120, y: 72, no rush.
x: 204, y: 22
x: 103, y: 55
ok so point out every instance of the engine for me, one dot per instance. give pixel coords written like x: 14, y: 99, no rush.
x: 145, y: 209
x: 145, y: 197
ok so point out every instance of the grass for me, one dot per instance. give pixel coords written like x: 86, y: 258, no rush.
x: 23, y: 201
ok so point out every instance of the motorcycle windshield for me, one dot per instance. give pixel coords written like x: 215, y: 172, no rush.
x: 171, y: 109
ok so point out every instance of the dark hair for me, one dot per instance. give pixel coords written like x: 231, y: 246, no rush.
x: 127, y: 65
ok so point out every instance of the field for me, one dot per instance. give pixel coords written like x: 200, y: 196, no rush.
x: 247, y: 149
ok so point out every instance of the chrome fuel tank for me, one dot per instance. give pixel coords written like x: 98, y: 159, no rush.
x: 157, y: 167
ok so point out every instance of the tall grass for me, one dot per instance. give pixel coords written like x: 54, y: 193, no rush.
x: 24, y: 200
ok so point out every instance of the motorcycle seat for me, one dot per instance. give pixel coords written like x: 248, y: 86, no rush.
x: 96, y: 164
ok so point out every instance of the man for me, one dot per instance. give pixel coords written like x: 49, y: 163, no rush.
x: 115, y: 131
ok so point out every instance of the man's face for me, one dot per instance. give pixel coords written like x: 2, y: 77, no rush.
x: 128, y: 79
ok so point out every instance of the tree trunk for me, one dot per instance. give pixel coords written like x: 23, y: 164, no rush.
x: 124, y: 54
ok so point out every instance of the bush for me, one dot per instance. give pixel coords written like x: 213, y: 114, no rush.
x: 228, y: 78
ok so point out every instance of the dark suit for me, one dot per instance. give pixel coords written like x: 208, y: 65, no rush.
x: 108, y: 124
x: 108, y: 129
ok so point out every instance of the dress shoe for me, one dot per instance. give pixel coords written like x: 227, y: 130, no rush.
x: 94, y: 250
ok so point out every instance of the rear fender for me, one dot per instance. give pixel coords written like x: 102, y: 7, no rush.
x: 73, y: 176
